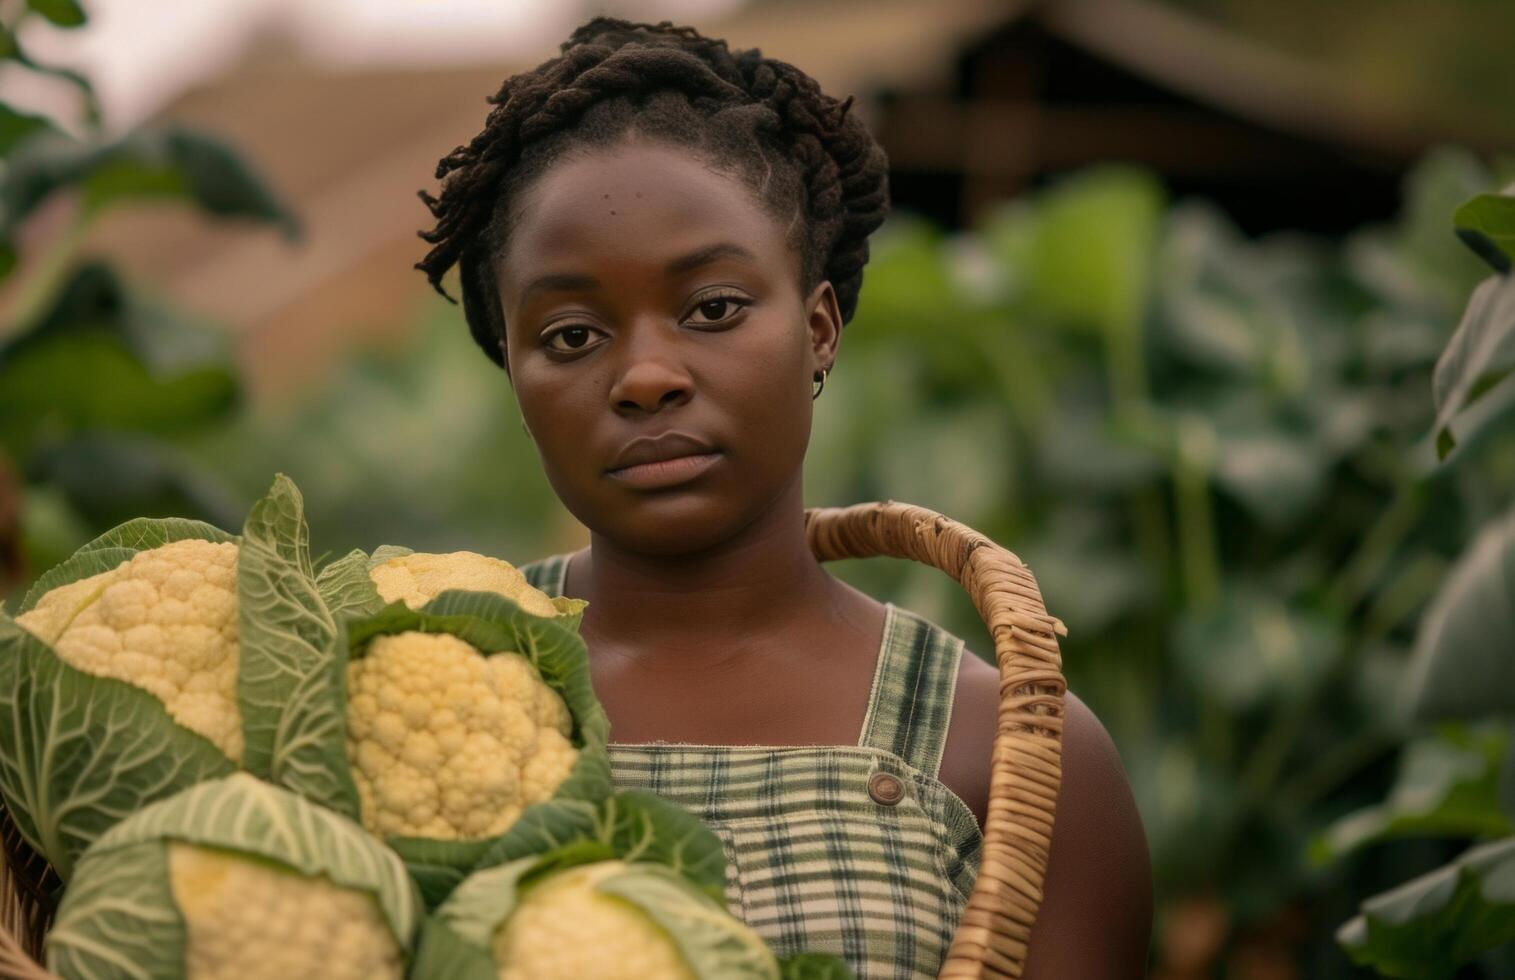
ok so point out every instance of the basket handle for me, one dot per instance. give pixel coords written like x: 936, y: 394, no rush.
x: 992, y: 936
x: 24, y: 880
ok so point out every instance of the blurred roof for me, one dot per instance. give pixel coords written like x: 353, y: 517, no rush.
x: 349, y: 150
x: 1208, y: 61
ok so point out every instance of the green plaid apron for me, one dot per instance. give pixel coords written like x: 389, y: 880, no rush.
x: 814, y: 860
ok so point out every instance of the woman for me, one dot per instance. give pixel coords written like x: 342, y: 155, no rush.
x: 660, y: 241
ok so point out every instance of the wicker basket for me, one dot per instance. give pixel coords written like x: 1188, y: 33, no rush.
x: 991, y: 939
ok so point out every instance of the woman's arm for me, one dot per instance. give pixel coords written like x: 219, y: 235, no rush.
x: 1095, y: 920
x: 1096, y: 916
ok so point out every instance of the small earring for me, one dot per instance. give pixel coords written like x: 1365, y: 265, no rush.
x: 819, y: 381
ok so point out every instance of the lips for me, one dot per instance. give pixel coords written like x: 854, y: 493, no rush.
x: 652, y: 449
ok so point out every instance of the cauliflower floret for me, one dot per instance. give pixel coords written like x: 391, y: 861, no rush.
x: 165, y: 621
x: 249, y: 919
x: 543, y: 939
x: 416, y: 579
x: 448, y: 744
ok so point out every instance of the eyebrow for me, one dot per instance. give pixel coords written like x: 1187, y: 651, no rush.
x: 573, y: 282
x: 707, y: 255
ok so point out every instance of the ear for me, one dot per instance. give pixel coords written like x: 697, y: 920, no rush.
x: 505, y: 360
x: 824, y: 318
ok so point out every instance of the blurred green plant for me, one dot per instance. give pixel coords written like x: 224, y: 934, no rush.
x: 1460, y: 781
x: 1213, y: 452
x: 96, y: 381
x: 469, y: 478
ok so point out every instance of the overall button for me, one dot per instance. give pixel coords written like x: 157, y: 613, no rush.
x: 886, y: 788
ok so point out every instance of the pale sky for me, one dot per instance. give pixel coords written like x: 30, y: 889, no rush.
x: 140, y: 53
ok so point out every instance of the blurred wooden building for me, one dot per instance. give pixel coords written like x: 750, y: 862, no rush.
x: 1052, y: 86
x: 974, y: 101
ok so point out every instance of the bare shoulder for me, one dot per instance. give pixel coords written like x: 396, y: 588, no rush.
x: 970, y: 733
x: 1096, y: 915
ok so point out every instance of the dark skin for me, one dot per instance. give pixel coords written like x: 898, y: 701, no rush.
x: 646, y: 289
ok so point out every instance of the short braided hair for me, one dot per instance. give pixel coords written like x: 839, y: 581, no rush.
x: 811, y: 164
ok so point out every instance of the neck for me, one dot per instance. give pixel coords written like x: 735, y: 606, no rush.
x: 668, y: 607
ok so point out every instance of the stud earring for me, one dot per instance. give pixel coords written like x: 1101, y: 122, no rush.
x: 819, y: 381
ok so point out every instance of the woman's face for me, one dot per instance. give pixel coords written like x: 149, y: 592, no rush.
x: 646, y: 292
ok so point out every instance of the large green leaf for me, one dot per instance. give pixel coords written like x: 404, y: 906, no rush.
x: 441, y: 952
x: 457, y: 939
x: 243, y: 813
x: 632, y: 824
x: 16, y: 126
x: 1276, y: 471
x: 61, y: 13
x: 1486, y: 224
x: 110, y: 477
x: 152, y: 163
x: 1091, y: 260
x: 92, y: 380
x: 1077, y: 557
x: 1428, y: 927
x: 973, y: 443
x: 1464, y: 660
x: 346, y: 588
x: 1251, y: 649
x: 120, y: 911
x: 1447, y: 786
x: 1081, y: 450
x: 1416, y: 264
x: 94, y: 297
x: 79, y: 753
x: 291, y: 683
x: 239, y: 814
x: 676, y: 867
x: 699, y: 926
x: 1480, y: 354
x: 1243, y: 310
x: 908, y: 282
x: 103, y: 358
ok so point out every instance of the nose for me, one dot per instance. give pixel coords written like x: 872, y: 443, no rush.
x: 653, y: 376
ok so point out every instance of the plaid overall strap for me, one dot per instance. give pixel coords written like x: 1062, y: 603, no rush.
x: 816, y: 860
x: 547, y: 573
x: 911, y: 703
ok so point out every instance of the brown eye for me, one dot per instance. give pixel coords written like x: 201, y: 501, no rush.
x: 574, y: 337
x: 716, y: 309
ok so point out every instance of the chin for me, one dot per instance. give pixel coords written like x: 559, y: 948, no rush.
x: 664, y: 524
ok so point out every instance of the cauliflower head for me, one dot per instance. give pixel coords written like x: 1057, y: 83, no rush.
x: 450, y: 744
x: 543, y: 939
x: 416, y: 579
x: 641, y: 877
x: 249, y: 919
x: 165, y: 621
